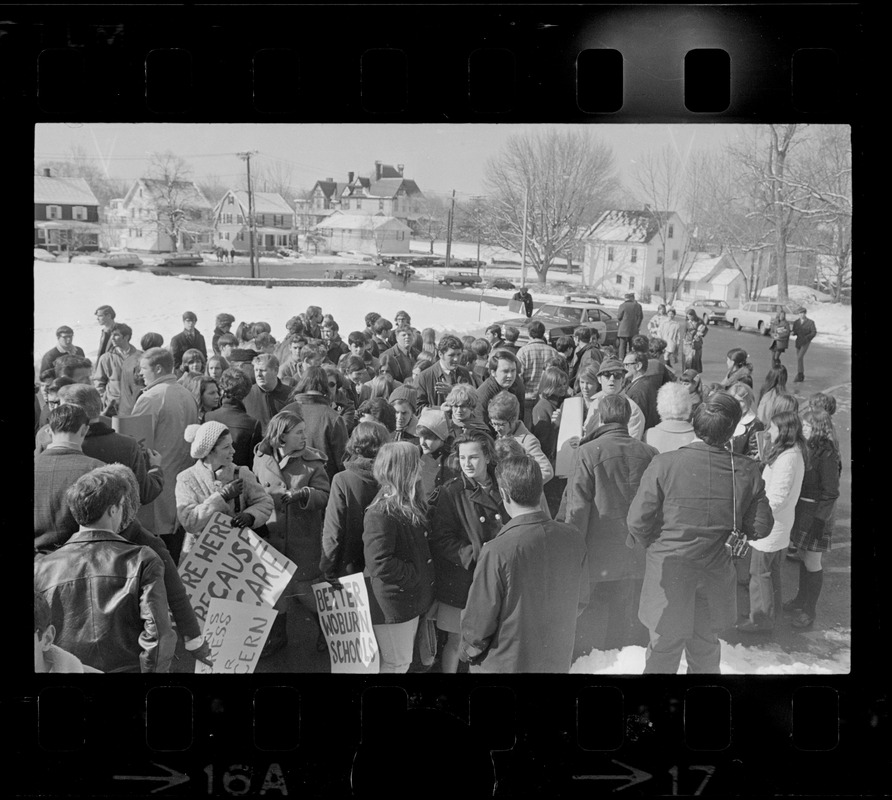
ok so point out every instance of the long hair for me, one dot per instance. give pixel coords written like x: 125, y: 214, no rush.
x: 823, y: 434
x: 397, y: 470
x: 739, y: 358
x: 775, y: 379
x: 789, y: 435
x: 279, y: 425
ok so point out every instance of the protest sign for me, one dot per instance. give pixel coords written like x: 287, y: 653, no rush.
x: 571, y: 425
x: 347, y: 624
x: 140, y: 427
x: 235, y: 633
x: 229, y: 563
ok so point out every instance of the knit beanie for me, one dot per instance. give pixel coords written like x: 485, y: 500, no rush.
x: 204, y: 437
x: 435, y: 421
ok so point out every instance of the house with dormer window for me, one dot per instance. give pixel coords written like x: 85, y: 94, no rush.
x: 273, y: 221
x: 66, y: 214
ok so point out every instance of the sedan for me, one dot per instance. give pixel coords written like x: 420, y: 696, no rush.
x: 500, y: 283
x: 713, y: 311
x: 758, y: 314
x: 120, y: 260
x: 561, y: 319
x: 181, y: 260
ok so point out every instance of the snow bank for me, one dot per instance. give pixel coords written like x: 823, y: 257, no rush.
x: 736, y: 660
x: 68, y: 294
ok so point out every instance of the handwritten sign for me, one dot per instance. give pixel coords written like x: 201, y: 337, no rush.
x: 235, y: 633
x: 572, y: 412
x: 347, y: 623
x: 229, y: 563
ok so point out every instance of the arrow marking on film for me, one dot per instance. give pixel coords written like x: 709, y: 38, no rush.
x: 173, y: 778
x: 637, y: 776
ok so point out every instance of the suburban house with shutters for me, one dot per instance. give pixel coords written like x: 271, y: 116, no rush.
x: 273, y: 221
x: 66, y: 214
x: 365, y: 233
x: 626, y: 251
x: 160, y: 217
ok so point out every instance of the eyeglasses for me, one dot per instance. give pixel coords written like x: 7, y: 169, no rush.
x: 614, y: 375
x: 629, y: 363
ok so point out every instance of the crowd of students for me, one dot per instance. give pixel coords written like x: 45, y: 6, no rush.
x: 429, y: 466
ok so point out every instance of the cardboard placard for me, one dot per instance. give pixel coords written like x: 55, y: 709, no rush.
x: 141, y: 427
x: 233, y: 564
x: 347, y: 624
x: 572, y: 418
x: 235, y: 633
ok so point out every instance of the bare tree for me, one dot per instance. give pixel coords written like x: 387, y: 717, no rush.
x: 273, y: 176
x: 212, y: 187
x: 433, y: 219
x: 179, y: 209
x: 566, y: 178
x: 78, y: 164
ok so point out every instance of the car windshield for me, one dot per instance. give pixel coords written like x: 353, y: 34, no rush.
x: 565, y: 312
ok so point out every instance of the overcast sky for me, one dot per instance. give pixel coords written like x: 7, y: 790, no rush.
x: 438, y: 157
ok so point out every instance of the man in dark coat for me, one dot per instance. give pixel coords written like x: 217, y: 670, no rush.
x: 600, y: 490
x: 587, y: 352
x: 524, y: 296
x: 640, y: 388
x: 400, y: 359
x: 246, y: 431
x: 682, y: 515
x: 105, y: 316
x: 630, y: 317
x: 529, y: 586
x: 435, y: 383
x: 804, y: 330
x: 269, y: 395
x: 64, y: 347
x: 189, y: 339
x: 504, y: 376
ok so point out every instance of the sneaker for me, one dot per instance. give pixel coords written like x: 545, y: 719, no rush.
x: 803, y: 621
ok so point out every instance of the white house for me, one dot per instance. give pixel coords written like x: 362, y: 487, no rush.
x: 273, y: 219
x: 628, y: 250
x: 375, y: 235
x: 705, y: 276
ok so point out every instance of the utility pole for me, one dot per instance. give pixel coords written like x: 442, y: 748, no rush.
x: 449, y: 231
x: 477, y: 200
x: 246, y: 156
x: 523, y: 248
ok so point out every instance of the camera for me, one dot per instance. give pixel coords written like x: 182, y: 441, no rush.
x: 737, y: 544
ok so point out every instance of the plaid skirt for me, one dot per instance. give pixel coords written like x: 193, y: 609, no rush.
x: 806, y: 534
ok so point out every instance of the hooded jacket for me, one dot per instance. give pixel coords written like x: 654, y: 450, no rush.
x: 351, y: 493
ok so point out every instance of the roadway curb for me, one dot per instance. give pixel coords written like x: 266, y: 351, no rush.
x: 270, y: 282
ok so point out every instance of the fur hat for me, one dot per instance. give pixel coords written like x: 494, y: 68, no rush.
x: 204, y: 437
x: 435, y: 421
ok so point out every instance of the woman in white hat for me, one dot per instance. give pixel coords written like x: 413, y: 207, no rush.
x: 216, y: 484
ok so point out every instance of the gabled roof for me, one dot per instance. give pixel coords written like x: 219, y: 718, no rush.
x: 340, y: 221
x: 725, y: 277
x: 265, y: 203
x: 703, y: 265
x: 330, y: 188
x: 390, y: 171
x: 64, y: 191
x: 637, y: 227
x: 384, y: 188
x: 188, y: 191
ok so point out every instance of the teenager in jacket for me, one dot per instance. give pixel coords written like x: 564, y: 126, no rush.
x: 804, y: 330
x: 435, y: 383
x: 469, y: 513
x: 739, y: 368
x: 215, y: 484
x: 629, y: 317
x: 246, y: 431
x: 352, y: 490
x: 188, y: 339
x: 683, y: 522
x: 503, y: 417
x: 437, y: 467
x: 268, y: 395
x: 780, y: 336
x: 397, y: 557
x: 504, y: 375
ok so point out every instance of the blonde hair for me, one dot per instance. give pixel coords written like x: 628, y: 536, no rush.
x: 462, y: 394
x: 397, y: 469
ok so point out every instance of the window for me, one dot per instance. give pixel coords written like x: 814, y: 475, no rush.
x: 631, y: 282
x: 226, y: 236
x: 619, y: 279
x: 231, y: 200
x: 79, y: 212
x: 657, y: 283
x: 400, y: 236
x: 671, y: 231
x: 396, y: 204
x: 687, y: 287
x: 675, y: 255
x: 659, y: 256
x: 359, y: 202
x: 634, y: 258
x: 219, y: 234
x: 736, y: 292
x: 54, y: 212
x: 240, y: 236
x: 380, y: 205
x: 346, y: 203
x: 610, y: 256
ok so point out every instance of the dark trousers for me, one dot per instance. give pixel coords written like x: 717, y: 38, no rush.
x: 702, y: 650
x: 801, y: 350
x: 610, y: 621
x: 623, y: 343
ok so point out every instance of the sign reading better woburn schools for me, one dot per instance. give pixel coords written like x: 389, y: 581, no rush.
x: 235, y: 633
x: 229, y: 563
x: 347, y: 624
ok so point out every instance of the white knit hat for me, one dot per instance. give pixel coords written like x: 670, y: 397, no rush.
x: 435, y: 421
x: 204, y: 437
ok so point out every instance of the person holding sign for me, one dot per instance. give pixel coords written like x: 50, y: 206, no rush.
x: 397, y: 557
x: 215, y: 484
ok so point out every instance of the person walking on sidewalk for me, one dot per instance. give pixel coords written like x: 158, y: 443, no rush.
x: 630, y: 317
x: 804, y: 330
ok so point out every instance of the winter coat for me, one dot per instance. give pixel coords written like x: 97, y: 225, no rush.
x: 672, y: 332
x: 742, y: 374
x: 804, y: 331
x: 436, y: 471
x: 744, y: 439
x: 670, y: 435
x: 109, y: 447
x: 351, y: 493
x: 644, y: 395
x: 198, y: 497
x: 532, y: 358
x: 545, y: 431
x: 593, y: 418
x: 466, y: 517
x: 818, y: 496
x: 172, y: 408
x: 582, y: 359
x: 55, y: 469
x: 783, y: 481
x: 527, y: 299
x: 533, y: 449
x: 780, y: 333
x: 600, y: 490
x: 130, y: 390
x: 682, y: 515
x: 345, y: 408
x: 263, y: 406
x: 246, y: 431
x: 182, y: 342
x: 326, y: 430
x: 50, y: 356
x: 489, y: 389
x: 530, y: 585
x: 427, y: 380
x: 399, y: 565
x: 108, y: 372
x: 398, y: 362
x: 336, y: 348
x: 297, y: 529
x: 108, y: 602
x: 630, y: 317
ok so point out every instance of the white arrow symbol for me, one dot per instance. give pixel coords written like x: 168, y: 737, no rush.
x: 171, y: 779
x: 637, y: 776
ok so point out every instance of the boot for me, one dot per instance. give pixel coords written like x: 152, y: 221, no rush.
x: 806, y: 617
x: 797, y: 603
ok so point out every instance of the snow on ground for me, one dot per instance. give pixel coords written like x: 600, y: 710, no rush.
x: 736, y: 660
x: 69, y: 294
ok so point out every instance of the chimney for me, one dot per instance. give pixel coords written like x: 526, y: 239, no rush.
x: 400, y: 168
x: 47, y: 172
x: 377, y: 170
x: 349, y: 177
x: 329, y: 180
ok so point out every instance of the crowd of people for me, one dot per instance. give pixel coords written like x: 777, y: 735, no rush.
x: 428, y: 465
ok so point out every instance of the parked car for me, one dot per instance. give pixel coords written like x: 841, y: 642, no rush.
x: 181, y: 260
x: 561, y: 319
x: 713, y: 311
x: 400, y: 268
x: 461, y: 278
x: 500, y: 283
x: 758, y: 314
x: 120, y: 260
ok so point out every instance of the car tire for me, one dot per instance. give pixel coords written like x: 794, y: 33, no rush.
x: 764, y: 329
x: 737, y: 325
